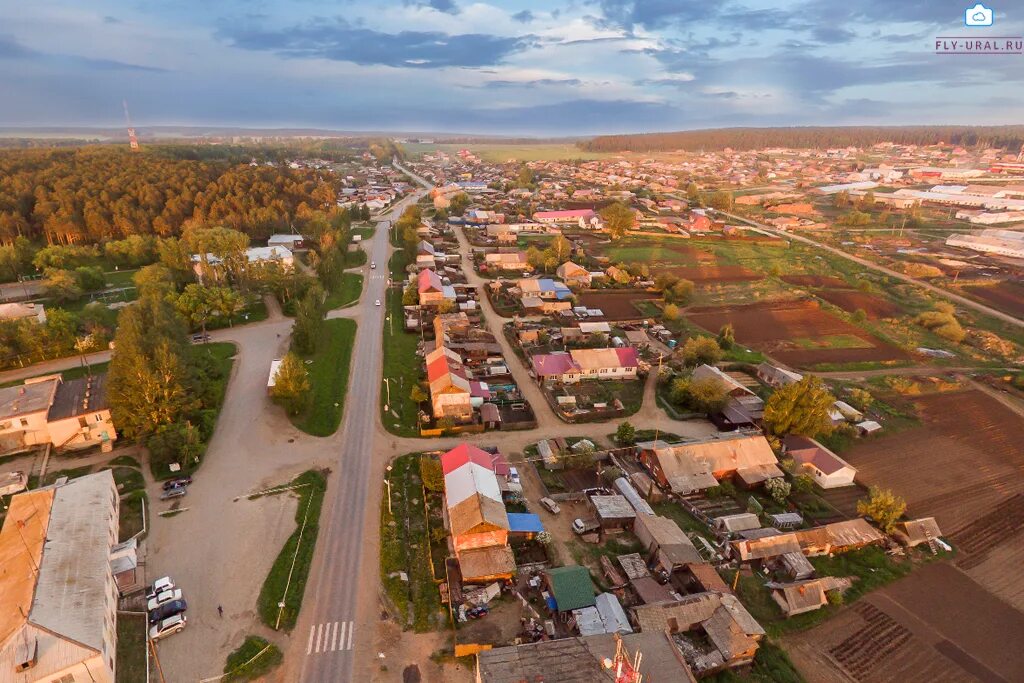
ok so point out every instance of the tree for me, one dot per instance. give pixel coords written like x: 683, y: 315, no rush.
x: 618, y: 218
x: 226, y: 303
x: 309, y: 317
x: 726, y: 337
x: 62, y: 285
x: 670, y: 312
x: 778, y: 488
x: 90, y: 278
x: 701, y: 351
x: 625, y: 434
x: 883, y: 506
x: 803, y: 483
x: 431, y: 474
x: 446, y: 306
x: 841, y: 200
x: 410, y: 295
x: 721, y: 200
x: 458, y: 204
x: 416, y: 394
x: 706, y: 396
x: 195, y: 304
x: 579, y: 456
x: 154, y: 280
x: 173, y: 254
x: 681, y: 292
x: 291, y: 384
x: 799, y: 408
x: 693, y: 195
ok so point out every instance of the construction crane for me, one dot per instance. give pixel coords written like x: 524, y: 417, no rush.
x: 133, y: 141
x: 624, y: 668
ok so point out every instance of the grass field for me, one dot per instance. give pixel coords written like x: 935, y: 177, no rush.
x: 347, y: 293
x: 366, y: 232
x: 499, y: 153
x: 277, y: 587
x: 253, y: 659
x: 402, y: 369
x: 328, y: 375
x: 131, y: 648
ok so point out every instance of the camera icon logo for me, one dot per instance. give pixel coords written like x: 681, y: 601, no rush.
x: 979, y: 15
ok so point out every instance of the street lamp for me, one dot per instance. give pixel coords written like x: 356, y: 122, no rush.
x: 387, y: 480
x: 387, y: 404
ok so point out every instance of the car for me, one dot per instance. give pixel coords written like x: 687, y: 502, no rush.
x: 200, y: 338
x: 177, y: 483
x: 163, y: 597
x: 513, y: 476
x: 159, y: 586
x: 550, y: 505
x: 168, y: 609
x: 373, y: 266
x: 174, y: 493
x: 377, y: 302
x: 581, y: 527
x: 168, y: 626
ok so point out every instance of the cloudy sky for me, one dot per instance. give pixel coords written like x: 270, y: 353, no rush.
x: 522, y: 68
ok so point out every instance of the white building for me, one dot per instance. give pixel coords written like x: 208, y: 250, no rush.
x: 253, y: 256
x: 21, y: 311
x: 1008, y: 243
x: 58, y: 608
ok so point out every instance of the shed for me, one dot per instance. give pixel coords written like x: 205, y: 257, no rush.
x: 794, y: 565
x: 612, y: 614
x: 650, y: 591
x: 633, y: 565
x: 613, y: 512
x: 663, y: 538
x: 524, y: 524
x: 571, y: 587
x: 917, y: 531
x: 744, y: 521
x: 868, y: 427
x: 786, y: 520
x: 641, y: 506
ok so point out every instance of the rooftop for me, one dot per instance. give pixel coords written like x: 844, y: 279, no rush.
x: 25, y: 399
x: 79, y: 396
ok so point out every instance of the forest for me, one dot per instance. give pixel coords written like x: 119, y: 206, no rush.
x: 100, y: 193
x: 1010, y: 138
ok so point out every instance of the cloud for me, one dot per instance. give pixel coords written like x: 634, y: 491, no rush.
x: 13, y: 50
x: 832, y: 35
x: 445, y: 6
x: 340, y: 41
x: 657, y: 13
x: 533, y: 83
x: 523, y: 17
x: 678, y: 81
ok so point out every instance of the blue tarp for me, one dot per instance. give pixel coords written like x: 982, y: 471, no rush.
x: 524, y: 523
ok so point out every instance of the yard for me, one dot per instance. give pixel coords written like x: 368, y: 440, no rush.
x: 328, y: 375
x: 406, y: 549
x: 347, y: 292
x: 131, y: 648
x: 286, y: 581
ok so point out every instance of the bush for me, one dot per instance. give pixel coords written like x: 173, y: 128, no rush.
x: 241, y: 665
x: 779, y: 489
x: 701, y: 351
x: 431, y: 474
x: 179, y: 442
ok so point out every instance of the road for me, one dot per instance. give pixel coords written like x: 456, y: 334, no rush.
x: 962, y: 300
x: 324, y: 641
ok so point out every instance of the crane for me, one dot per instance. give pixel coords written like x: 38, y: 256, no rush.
x: 133, y: 141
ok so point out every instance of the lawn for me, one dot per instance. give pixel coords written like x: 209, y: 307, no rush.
x: 347, y: 292
x: 131, y: 520
x: 405, y: 547
x: 365, y: 232
x: 131, y: 648
x: 402, y: 370
x: 286, y: 581
x: 328, y: 375
x: 254, y: 659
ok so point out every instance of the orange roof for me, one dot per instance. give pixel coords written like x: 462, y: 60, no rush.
x: 21, y: 551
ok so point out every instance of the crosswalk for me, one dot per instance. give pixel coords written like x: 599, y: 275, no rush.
x: 332, y: 636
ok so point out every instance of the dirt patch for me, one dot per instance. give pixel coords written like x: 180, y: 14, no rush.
x: 958, y: 466
x: 713, y: 273
x: 616, y: 305
x: 815, y: 281
x: 1005, y: 296
x: 851, y: 300
x: 788, y: 331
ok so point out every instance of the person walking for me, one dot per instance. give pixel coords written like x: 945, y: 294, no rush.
x: 220, y: 611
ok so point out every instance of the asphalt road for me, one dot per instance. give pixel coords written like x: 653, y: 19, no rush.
x: 326, y: 631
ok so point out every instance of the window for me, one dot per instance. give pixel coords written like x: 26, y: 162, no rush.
x: 24, y: 422
x: 66, y: 678
x: 82, y: 422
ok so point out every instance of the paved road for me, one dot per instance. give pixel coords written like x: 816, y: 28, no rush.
x: 962, y: 300
x: 328, y: 626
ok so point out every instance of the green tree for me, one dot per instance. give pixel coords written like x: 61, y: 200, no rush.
x: 226, y: 303
x: 458, y: 204
x: 799, y: 408
x: 62, y: 285
x: 693, y: 195
x: 625, y: 434
x: 154, y: 280
x: 726, y: 337
x: 309, y: 317
x: 90, y: 278
x: 174, y: 255
x: 410, y: 295
x: 618, y: 219
x: 705, y: 395
x: 431, y: 474
x: 681, y: 292
x: 701, y: 351
x: 416, y: 394
x: 670, y: 312
x: 883, y: 506
x: 778, y: 488
x: 721, y: 200
x: 195, y: 305
x: 291, y: 384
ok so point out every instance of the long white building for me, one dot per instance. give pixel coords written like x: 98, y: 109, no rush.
x: 1009, y: 243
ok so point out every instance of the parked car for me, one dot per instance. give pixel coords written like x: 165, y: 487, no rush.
x: 159, y: 586
x: 163, y: 597
x: 477, y: 612
x: 550, y: 505
x: 200, y: 338
x: 174, y: 493
x: 581, y: 527
x: 513, y: 476
x: 177, y: 483
x: 167, y: 627
x: 166, y: 610
x: 377, y: 302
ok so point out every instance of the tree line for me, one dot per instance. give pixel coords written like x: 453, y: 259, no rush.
x: 812, y: 137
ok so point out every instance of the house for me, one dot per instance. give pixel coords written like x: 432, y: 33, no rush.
x: 698, y: 465
x: 291, y: 242
x: 23, y: 311
x: 743, y: 407
x: 606, y: 616
x: 828, y: 470
x: 432, y: 291
x: 717, y: 630
x: 573, y: 275
x: 450, y: 388
x: 806, y: 596
x: 72, y: 414
x: 58, y: 608
x: 665, y: 542
x: 583, y: 659
x: 775, y: 376
x: 571, y: 588
x: 577, y: 364
x: 544, y: 288
x: 612, y: 512
x: 515, y: 260
x: 917, y: 531
x: 578, y: 216
x: 837, y: 537
x: 476, y: 515
x: 255, y: 257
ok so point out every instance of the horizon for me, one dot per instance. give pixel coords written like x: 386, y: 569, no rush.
x: 513, y: 69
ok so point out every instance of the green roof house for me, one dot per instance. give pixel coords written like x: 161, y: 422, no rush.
x: 571, y: 588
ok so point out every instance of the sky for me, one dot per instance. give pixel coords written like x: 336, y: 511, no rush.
x: 531, y: 68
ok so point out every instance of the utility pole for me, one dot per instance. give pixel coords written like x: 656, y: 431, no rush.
x: 159, y: 668
x: 657, y: 377
x: 387, y: 480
